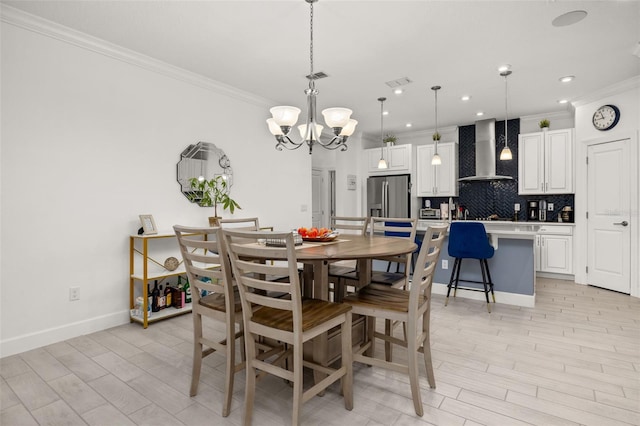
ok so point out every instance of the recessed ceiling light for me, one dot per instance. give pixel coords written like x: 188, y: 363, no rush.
x: 408, y: 125
x: 503, y: 68
x: 569, y: 18
x: 385, y: 113
x: 567, y: 78
x: 563, y: 101
x: 398, y: 91
x: 479, y: 113
x: 465, y: 98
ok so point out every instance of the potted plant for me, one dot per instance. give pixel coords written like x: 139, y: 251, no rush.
x: 390, y: 139
x: 210, y: 193
x: 544, y: 124
x: 436, y: 136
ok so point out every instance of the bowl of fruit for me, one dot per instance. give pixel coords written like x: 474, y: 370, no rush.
x: 317, y: 234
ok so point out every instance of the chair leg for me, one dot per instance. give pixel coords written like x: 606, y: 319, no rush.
x: 231, y: 368
x: 250, y: 386
x: 426, y: 349
x: 371, y: 329
x: 197, y: 354
x: 490, y: 281
x: 455, y: 275
x: 347, y: 362
x: 388, y: 347
x: 297, y: 383
x: 483, y: 268
x: 414, y: 375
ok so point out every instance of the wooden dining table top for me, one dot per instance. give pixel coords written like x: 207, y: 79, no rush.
x: 350, y: 247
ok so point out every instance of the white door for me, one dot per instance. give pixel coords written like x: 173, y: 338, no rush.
x: 531, y: 163
x: 609, y: 222
x: 316, y: 198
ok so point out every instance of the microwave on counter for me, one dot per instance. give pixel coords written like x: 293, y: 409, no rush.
x: 429, y: 213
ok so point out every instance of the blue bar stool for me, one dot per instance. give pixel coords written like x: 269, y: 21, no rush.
x: 469, y: 240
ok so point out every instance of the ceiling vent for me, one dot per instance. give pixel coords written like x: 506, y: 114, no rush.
x: 399, y: 82
x: 317, y: 75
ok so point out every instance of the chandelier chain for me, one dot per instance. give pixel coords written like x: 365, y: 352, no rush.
x: 312, y: 78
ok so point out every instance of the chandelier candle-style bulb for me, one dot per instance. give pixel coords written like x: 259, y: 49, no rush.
x: 285, y: 117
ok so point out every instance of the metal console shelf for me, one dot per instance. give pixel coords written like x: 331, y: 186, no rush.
x: 144, y: 269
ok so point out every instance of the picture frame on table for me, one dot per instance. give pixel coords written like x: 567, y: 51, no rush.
x: 148, y: 224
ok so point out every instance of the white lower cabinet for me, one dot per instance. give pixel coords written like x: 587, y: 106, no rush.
x: 554, y: 250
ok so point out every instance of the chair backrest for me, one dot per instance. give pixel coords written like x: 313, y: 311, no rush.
x: 247, y: 223
x: 394, y: 227
x: 469, y: 240
x: 350, y: 224
x: 244, y: 248
x: 206, y: 263
x: 420, y: 292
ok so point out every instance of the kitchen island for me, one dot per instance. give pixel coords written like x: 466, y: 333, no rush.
x: 512, y: 266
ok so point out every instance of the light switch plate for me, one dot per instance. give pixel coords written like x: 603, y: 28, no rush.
x: 516, y: 207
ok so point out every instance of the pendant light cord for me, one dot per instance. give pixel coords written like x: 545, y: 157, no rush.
x: 312, y: 78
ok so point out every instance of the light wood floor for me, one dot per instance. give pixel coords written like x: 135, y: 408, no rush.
x: 574, y: 359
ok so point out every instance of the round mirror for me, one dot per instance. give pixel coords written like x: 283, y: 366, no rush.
x: 205, y: 161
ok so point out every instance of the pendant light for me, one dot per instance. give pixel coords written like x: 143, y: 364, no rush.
x: 436, y: 160
x: 505, y: 154
x: 382, y: 164
x: 285, y: 117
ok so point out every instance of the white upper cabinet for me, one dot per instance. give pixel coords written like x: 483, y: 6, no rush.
x: 398, y: 159
x: 545, y: 162
x: 437, y: 181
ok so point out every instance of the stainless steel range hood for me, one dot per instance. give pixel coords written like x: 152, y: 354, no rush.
x: 485, y: 153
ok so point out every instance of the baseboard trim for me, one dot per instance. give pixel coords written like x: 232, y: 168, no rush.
x: 52, y: 335
x: 524, y: 300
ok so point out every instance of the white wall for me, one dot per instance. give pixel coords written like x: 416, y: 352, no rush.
x: 626, y: 96
x: 90, y: 139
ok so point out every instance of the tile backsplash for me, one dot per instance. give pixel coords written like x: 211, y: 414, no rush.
x: 485, y: 198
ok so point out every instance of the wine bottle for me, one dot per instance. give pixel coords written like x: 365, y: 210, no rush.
x: 167, y: 295
x: 155, y: 295
x: 187, y: 291
x: 149, y: 300
x: 162, y: 301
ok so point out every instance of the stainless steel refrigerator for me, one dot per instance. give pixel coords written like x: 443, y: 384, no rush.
x: 389, y: 196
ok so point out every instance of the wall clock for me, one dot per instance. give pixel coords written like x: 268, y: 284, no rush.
x: 606, y: 117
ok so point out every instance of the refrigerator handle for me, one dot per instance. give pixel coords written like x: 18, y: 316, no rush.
x: 385, y: 199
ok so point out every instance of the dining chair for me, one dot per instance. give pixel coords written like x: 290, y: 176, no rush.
x: 292, y: 320
x: 248, y: 223
x: 411, y: 307
x: 400, y: 228
x: 345, y: 226
x: 209, y: 272
x: 469, y: 240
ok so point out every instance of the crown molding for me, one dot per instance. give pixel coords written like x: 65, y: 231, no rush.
x: 27, y: 21
x: 548, y: 115
x: 632, y: 83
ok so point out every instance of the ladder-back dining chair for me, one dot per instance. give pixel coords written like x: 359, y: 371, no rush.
x: 291, y: 320
x: 209, y: 272
x: 411, y: 307
x: 345, y: 226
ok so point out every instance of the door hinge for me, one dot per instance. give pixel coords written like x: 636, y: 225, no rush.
x: 587, y: 214
x: 586, y: 269
x: 587, y: 160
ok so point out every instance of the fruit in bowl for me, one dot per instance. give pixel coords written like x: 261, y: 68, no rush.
x: 316, y: 233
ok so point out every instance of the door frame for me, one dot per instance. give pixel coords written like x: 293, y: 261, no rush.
x: 581, y: 240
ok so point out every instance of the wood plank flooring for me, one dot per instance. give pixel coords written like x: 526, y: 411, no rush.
x: 574, y: 359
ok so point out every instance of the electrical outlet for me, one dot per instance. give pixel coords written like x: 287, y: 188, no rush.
x: 74, y: 293
x: 445, y: 264
x: 303, y: 207
x: 550, y: 207
x: 516, y: 207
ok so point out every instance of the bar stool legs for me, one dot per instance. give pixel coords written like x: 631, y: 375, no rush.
x: 486, y: 282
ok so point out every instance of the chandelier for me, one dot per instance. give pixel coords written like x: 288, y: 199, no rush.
x: 382, y: 164
x: 285, y: 117
x: 436, y: 160
x: 505, y: 154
